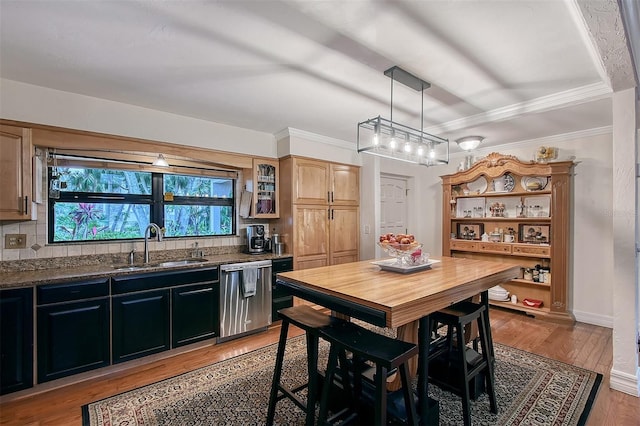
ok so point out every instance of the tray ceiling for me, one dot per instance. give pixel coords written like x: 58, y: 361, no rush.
x: 510, y: 71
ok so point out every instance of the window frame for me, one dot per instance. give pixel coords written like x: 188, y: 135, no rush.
x: 156, y: 200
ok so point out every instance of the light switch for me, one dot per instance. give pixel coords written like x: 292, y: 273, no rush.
x: 15, y: 241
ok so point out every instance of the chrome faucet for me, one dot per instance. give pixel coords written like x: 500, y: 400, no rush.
x: 147, y: 234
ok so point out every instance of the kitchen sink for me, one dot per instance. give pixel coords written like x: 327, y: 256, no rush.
x: 130, y: 267
x: 167, y: 264
x: 179, y: 262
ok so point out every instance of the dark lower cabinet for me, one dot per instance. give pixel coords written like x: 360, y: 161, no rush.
x: 72, y: 328
x: 280, y: 298
x: 16, y: 339
x: 140, y: 324
x: 195, y: 313
x: 72, y: 338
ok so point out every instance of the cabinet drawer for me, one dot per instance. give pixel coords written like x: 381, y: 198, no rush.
x: 495, y: 248
x: 531, y: 250
x: 464, y: 245
x: 157, y: 280
x: 77, y: 290
x: 282, y: 265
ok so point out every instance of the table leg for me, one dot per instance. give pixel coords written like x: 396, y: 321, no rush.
x: 424, y: 342
x: 484, y: 299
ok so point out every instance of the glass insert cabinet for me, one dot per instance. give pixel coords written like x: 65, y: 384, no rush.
x: 513, y: 211
x: 266, y: 178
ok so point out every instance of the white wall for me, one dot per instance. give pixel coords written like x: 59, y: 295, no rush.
x: 590, y: 296
x: 292, y: 141
x: 35, y: 104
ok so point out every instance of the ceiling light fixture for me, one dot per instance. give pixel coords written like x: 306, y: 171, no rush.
x: 378, y: 136
x: 160, y: 161
x: 469, y: 143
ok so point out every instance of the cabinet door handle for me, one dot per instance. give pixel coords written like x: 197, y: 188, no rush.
x: 26, y: 204
x: 332, y: 196
x: 331, y: 214
x: 328, y: 197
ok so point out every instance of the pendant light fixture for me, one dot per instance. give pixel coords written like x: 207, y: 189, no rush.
x: 386, y: 138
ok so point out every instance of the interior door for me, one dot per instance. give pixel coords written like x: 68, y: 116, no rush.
x: 393, y: 205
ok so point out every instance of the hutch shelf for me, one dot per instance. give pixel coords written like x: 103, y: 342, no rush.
x: 508, y: 210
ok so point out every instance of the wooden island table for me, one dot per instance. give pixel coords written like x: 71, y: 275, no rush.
x: 396, y: 300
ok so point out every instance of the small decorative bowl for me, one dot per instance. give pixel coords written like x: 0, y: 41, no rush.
x: 406, y: 254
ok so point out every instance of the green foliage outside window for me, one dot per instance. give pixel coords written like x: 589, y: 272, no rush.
x: 108, y: 204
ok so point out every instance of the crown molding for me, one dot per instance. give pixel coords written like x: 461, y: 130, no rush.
x: 314, y: 137
x: 547, y: 140
x: 588, y: 93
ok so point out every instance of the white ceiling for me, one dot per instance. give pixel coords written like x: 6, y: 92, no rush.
x: 507, y: 70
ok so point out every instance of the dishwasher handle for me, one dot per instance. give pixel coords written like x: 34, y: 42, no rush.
x: 240, y: 267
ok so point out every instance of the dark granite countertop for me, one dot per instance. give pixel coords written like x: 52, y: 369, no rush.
x: 26, y: 278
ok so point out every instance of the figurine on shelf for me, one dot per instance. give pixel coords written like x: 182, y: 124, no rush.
x: 497, y: 209
x: 544, y: 154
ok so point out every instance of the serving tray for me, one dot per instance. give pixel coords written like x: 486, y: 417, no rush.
x: 392, y: 265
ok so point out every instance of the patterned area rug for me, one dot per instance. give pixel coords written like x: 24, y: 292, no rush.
x: 532, y: 390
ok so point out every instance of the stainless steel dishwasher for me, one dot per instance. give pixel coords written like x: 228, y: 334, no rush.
x: 245, y: 298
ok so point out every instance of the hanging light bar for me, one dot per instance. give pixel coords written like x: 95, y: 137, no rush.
x: 389, y: 139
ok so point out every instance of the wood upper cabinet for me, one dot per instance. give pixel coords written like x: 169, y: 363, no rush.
x: 16, y: 152
x: 530, y: 202
x: 310, y: 181
x: 266, y: 178
x: 344, y: 185
x: 321, y: 182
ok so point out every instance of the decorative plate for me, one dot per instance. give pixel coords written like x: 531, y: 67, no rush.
x: 478, y: 186
x: 534, y: 183
x: 509, y: 182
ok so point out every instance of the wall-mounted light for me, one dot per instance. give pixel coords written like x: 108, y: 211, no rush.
x: 160, y: 161
x: 469, y: 143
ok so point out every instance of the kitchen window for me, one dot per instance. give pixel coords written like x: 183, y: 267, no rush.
x: 111, y: 203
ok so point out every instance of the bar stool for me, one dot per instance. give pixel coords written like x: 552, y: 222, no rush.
x: 385, y: 352
x: 456, y: 317
x: 311, y: 321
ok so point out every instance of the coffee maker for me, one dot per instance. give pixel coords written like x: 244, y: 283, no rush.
x: 256, y: 242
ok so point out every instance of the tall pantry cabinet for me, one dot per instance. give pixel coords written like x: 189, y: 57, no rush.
x: 319, y: 220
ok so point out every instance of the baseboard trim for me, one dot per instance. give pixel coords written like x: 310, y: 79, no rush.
x: 594, y: 319
x: 625, y: 382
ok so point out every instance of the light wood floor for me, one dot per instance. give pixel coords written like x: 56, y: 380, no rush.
x: 582, y: 345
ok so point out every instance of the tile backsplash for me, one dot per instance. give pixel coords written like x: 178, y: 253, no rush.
x: 37, y: 248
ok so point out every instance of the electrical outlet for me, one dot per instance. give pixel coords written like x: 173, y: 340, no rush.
x: 15, y: 241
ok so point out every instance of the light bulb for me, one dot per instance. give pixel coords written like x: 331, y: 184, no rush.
x: 160, y: 161
x: 376, y: 140
x: 407, y: 147
x: 432, y: 153
x: 392, y: 142
x: 420, y: 151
